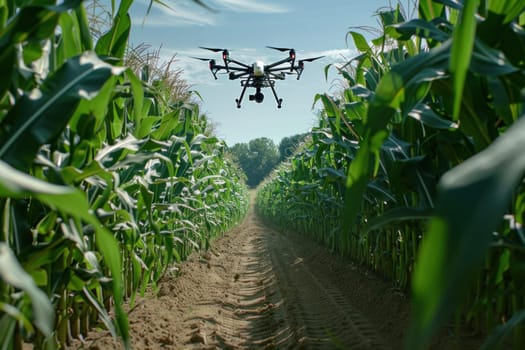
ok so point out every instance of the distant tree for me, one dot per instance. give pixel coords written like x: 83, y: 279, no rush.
x: 288, y: 145
x: 257, y: 158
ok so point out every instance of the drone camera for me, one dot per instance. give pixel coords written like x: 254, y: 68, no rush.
x: 257, y: 97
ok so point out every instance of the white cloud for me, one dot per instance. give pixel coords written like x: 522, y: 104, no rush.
x: 176, y: 19
x: 187, y: 13
x: 252, y: 6
x: 177, y: 14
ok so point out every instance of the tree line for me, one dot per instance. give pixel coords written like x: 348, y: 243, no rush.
x: 260, y: 156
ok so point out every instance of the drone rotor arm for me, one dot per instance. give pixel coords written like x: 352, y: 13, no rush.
x: 234, y: 76
x: 278, y: 63
x: 244, y: 65
x: 240, y: 69
x: 280, y: 76
x: 279, y: 69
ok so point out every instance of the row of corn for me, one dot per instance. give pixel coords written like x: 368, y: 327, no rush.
x: 106, y: 180
x: 416, y: 168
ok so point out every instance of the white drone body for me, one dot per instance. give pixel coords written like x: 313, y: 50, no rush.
x: 258, y: 69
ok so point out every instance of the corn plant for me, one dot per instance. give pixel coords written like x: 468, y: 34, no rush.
x: 106, y: 179
x: 428, y: 128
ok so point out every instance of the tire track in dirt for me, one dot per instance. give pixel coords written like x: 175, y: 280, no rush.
x: 326, y: 318
x: 278, y: 302
x: 250, y: 313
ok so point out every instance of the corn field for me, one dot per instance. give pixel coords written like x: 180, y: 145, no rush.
x: 106, y: 178
x: 416, y: 168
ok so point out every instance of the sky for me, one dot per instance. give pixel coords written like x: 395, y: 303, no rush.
x: 245, y: 28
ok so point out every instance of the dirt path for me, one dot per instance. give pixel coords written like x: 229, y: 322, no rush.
x: 262, y: 289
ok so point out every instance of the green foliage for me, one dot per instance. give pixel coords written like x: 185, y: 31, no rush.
x: 430, y: 126
x: 256, y: 159
x: 289, y: 145
x: 104, y: 182
x: 40, y: 115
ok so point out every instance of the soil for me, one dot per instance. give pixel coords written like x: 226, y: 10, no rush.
x: 258, y: 288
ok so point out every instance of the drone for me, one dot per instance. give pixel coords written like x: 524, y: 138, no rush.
x: 258, y: 75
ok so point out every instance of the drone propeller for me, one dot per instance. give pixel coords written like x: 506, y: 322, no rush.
x: 225, y: 54
x: 202, y: 59
x: 282, y: 49
x: 212, y: 49
x: 212, y: 65
x: 311, y: 59
x: 211, y: 60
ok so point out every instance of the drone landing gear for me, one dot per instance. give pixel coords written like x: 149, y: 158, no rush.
x: 258, y: 96
x: 277, y: 99
x: 244, y: 84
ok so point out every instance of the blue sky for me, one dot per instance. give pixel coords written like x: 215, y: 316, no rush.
x: 312, y: 28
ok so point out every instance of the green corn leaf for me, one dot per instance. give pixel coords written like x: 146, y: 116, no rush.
x: 109, y: 247
x: 70, y: 44
x: 7, y: 326
x: 111, y: 155
x: 331, y: 108
x: 429, y: 9
x: 502, y: 332
x: 16, y: 184
x: 425, y: 115
x: 12, y: 273
x: 83, y: 24
x: 4, y: 13
x: 38, y: 117
x: 391, y: 17
x: 472, y: 199
x: 168, y: 123
x: 114, y: 42
x: 137, y: 91
x: 360, y: 41
x: 461, y: 51
x: 356, y: 111
x: 490, y: 62
x: 8, y: 320
x: 397, y: 214
x: 102, y: 312
x: 96, y: 108
x: 453, y: 4
x: 31, y: 24
x: 417, y: 27
x: 510, y: 9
